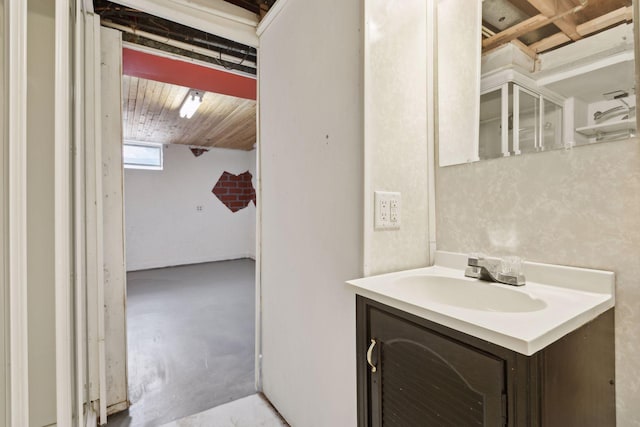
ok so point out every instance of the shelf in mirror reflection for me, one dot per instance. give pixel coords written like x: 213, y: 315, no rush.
x: 611, y: 127
x: 560, y: 95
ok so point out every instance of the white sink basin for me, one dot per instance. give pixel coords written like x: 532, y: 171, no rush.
x: 470, y: 294
x: 555, y: 301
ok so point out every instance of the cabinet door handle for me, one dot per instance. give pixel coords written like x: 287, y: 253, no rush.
x: 373, y: 344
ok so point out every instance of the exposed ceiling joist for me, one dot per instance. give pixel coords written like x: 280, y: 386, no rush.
x: 523, y: 47
x: 612, y: 18
x: 162, y: 34
x: 529, y: 22
x: 213, y: 16
x: 607, y: 20
x: 550, y: 42
x: 567, y: 23
x: 514, y: 32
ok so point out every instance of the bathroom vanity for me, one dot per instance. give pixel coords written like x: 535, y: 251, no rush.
x: 432, y: 350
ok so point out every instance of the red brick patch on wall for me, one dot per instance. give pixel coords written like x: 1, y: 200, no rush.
x: 235, y: 191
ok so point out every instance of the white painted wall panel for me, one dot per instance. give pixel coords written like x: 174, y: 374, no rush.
x: 113, y: 218
x: 312, y: 168
x: 40, y: 207
x: 163, y: 225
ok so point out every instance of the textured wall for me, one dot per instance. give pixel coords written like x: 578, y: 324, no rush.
x: 458, y: 58
x: 396, y: 70
x: 578, y: 208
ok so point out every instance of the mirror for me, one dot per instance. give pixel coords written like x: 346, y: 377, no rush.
x: 552, y: 79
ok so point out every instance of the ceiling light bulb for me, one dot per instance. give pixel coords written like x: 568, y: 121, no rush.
x: 190, y: 104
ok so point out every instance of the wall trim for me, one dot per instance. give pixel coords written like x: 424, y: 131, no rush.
x: 16, y: 26
x: 367, y: 201
x: 271, y: 16
x: 84, y: 416
x: 432, y: 164
x: 62, y: 217
x: 92, y: 312
x: 258, y: 240
x: 117, y: 407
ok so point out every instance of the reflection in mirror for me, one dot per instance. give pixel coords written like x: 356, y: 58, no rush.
x: 555, y: 75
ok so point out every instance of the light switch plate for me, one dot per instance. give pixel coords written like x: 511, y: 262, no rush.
x: 387, y: 210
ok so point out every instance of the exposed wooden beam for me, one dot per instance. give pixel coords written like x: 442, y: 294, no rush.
x: 487, y: 32
x: 546, y: 7
x: 612, y: 18
x: 188, y: 74
x: 525, y: 7
x: 529, y: 25
x: 549, y: 42
x: 516, y: 31
x: 550, y: 8
x: 606, y: 20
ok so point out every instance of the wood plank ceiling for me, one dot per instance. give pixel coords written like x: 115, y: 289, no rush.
x: 536, y: 26
x: 151, y: 114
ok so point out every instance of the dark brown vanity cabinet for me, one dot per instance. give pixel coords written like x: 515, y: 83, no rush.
x: 413, y: 372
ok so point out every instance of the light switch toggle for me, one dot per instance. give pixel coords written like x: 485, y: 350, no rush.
x: 387, y: 210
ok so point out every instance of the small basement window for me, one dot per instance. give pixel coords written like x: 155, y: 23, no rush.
x: 142, y: 155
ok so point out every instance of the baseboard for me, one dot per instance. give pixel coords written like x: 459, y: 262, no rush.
x: 117, y: 407
x: 174, y: 263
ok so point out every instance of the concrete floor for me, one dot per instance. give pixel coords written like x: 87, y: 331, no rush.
x: 190, y: 337
x: 251, y: 411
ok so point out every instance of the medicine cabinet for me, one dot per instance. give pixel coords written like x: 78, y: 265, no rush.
x: 516, y: 118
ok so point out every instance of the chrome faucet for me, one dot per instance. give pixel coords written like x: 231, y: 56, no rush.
x: 492, y: 271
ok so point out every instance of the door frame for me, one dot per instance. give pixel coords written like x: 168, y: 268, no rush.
x: 15, y: 205
x: 224, y: 24
x: 63, y: 232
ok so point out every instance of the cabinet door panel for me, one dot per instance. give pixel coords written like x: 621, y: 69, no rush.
x: 425, y: 379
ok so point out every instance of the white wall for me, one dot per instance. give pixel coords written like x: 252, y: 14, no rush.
x: 163, y: 226
x: 40, y: 207
x: 311, y: 150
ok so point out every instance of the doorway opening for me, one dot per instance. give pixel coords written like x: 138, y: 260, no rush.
x: 187, y: 200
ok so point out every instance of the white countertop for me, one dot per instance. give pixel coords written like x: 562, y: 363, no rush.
x: 573, y: 297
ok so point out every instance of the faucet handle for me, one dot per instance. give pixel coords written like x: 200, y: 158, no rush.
x: 511, y: 271
x: 475, y: 259
x: 511, y: 265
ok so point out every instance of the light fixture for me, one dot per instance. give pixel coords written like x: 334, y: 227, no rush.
x: 191, y: 103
